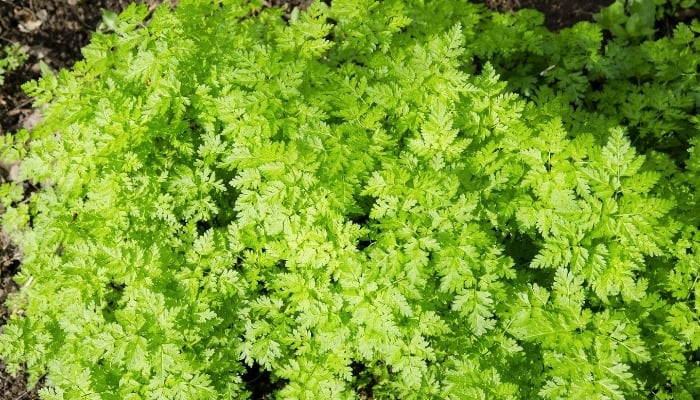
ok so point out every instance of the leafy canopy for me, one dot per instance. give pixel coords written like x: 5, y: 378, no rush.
x: 394, y: 199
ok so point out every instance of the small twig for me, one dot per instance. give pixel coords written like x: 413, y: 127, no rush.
x: 6, y: 39
x: 20, y: 105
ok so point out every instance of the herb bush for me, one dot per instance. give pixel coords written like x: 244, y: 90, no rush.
x: 352, y: 204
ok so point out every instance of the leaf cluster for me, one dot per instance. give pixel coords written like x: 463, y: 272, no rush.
x: 11, y: 57
x: 404, y: 198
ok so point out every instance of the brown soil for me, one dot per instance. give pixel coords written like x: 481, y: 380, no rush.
x: 558, y: 14
x: 54, y: 31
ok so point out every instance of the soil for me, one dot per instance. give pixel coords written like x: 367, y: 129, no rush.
x: 54, y: 31
x: 558, y: 14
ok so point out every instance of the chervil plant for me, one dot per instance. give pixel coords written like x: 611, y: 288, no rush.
x: 11, y: 57
x: 353, y: 204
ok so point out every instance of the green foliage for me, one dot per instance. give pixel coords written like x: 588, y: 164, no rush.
x: 11, y: 57
x: 398, y: 198
x: 629, y: 19
x: 599, y: 79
